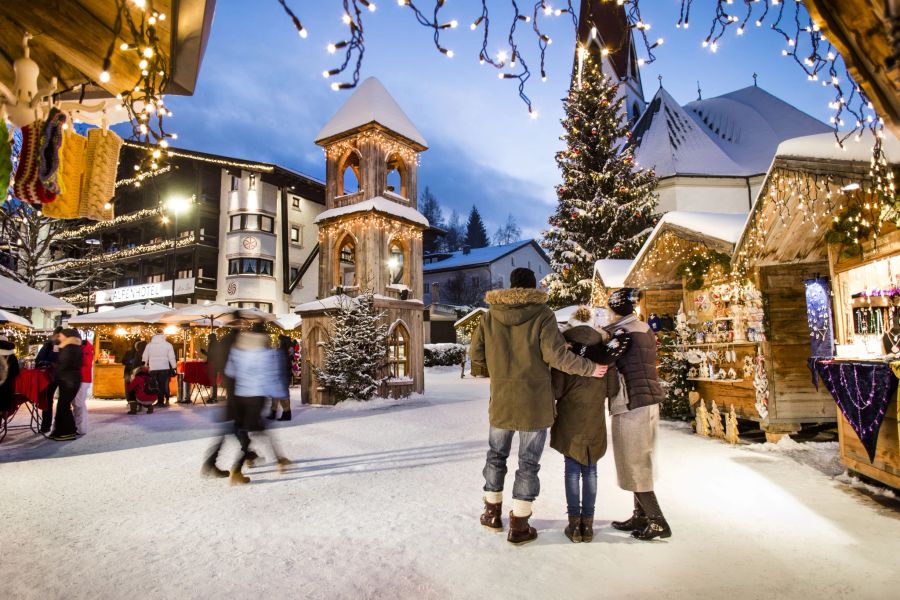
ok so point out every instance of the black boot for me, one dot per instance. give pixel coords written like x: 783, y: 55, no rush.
x: 271, y: 416
x: 211, y: 470
x: 285, y: 415
x: 132, y: 409
x: 491, y: 517
x: 656, y: 527
x: 573, y: 531
x: 637, y: 521
x: 520, y: 532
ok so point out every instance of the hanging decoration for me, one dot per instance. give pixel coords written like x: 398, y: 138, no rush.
x: 761, y: 386
x: 819, y: 317
x: 696, y: 268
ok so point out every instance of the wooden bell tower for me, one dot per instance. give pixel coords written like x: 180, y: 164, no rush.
x: 370, y: 235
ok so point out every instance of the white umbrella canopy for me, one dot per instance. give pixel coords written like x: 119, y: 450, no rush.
x: 195, y: 313
x: 14, y: 320
x: 15, y: 294
x: 254, y: 313
x: 288, y: 321
x: 142, y: 312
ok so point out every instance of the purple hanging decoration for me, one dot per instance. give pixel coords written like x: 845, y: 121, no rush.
x: 862, y: 391
x: 819, y: 317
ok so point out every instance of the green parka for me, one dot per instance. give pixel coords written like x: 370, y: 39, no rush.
x: 579, y: 431
x: 518, y: 341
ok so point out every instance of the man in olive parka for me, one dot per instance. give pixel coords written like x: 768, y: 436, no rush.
x: 519, y: 342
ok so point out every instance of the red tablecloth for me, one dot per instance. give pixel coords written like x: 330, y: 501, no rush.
x: 196, y: 372
x: 32, y: 383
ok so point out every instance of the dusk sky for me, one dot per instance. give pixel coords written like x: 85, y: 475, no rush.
x: 261, y: 94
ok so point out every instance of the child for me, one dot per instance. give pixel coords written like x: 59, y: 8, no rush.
x: 579, y: 431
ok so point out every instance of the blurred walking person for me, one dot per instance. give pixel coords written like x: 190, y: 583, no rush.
x: 68, y: 379
x: 9, y: 371
x: 286, y: 352
x: 255, y: 368
x: 79, y: 407
x: 133, y: 361
x: 159, y: 356
x: 46, y: 359
x: 218, y: 357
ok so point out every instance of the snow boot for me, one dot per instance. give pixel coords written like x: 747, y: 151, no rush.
x: 587, y: 529
x: 283, y: 463
x: 271, y: 416
x: 637, y: 521
x: 251, y: 458
x: 285, y: 415
x: 656, y: 527
x: 491, y: 517
x: 573, y: 531
x: 150, y: 410
x: 132, y: 410
x: 520, y: 532
x: 211, y: 470
x: 238, y: 478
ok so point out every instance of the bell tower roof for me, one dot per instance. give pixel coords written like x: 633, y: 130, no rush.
x: 371, y: 104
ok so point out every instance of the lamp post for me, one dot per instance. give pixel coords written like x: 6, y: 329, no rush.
x: 175, y: 206
x: 92, y: 244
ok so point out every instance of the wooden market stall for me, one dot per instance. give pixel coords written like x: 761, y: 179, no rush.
x: 609, y: 276
x: 744, y: 333
x: 833, y: 295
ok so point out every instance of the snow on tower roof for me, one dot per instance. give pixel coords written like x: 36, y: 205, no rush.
x: 824, y: 146
x: 670, y: 142
x: 378, y: 204
x: 371, y: 103
x: 735, y: 134
x: 748, y: 124
x: 612, y: 271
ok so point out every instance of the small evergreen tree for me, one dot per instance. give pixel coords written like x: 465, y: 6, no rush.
x: 476, y: 232
x: 673, y: 369
x: 355, y: 351
x: 606, y: 208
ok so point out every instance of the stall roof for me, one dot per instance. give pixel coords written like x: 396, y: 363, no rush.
x: 719, y: 231
x: 14, y: 319
x: 612, y: 271
x: 475, y: 314
x: 141, y: 312
x: 15, y: 294
x: 824, y: 146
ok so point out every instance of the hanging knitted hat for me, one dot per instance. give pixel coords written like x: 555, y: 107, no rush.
x: 27, y: 187
x: 48, y: 156
x: 5, y: 156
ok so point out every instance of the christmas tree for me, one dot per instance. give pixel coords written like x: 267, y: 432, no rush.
x: 476, y: 232
x: 606, y: 208
x: 355, y: 351
x: 673, y: 370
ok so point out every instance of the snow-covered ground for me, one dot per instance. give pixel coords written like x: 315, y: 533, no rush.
x: 382, y: 501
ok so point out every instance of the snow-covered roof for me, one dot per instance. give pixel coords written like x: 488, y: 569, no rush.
x: 612, y: 271
x: 824, y: 146
x: 478, y: 256
x: 725, y: 228
x: 288, y: 321
x: 14, y: 319
x: 335, y: 302
x: 14, y: 294
x: 735, y: 134
x: 378, y: 204
x: 475, y: 313
x: 371, y: 103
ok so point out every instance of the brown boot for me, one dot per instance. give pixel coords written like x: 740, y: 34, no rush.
x: 491, y: 517
x: 238, y: 478
x: 587, y: 529
x: 520, y: 532
x: 573, y: 531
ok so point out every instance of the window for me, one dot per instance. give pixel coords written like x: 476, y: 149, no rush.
x: 295, y: 234
x: 252, y: 222
x: 529, y: 265
x: 396, y: 266
x: 476, y: 282
x: 294, y: 272
x: 398, y: 352
x: 513, y: 261
x: 395, y: 180
x: 295, y: 202
x: 264, y: 306
x: 252, y: 181
x: 235, y: 183
x: 346, y: 263
x: 156, y: 278
x: 250, y: 266
x: 185, y: 274
x: 349, y: 179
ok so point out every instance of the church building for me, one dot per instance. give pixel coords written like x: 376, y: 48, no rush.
x: 370, y: 235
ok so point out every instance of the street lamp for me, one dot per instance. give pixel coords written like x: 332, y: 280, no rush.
x: 92, y: 243
x: 175, y: 206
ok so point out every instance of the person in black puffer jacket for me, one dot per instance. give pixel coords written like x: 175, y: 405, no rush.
x: 635, y: 417
x: 68, y: 378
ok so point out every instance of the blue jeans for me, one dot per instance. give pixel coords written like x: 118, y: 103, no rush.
x: 531, y: 446
x: 581, y: 488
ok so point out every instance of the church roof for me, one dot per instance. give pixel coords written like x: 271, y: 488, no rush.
x: 735, y: 134
x: 478, y: 256
x: 371, y: 103
x: 613, y: 32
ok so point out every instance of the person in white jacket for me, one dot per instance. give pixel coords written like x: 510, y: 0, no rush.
x: 159, y: 356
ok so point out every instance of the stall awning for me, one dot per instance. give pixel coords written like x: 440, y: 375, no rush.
x: 147, y: 313
x: 18, y: 295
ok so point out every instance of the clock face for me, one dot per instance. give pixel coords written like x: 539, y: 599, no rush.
x: 250, y: 243
x: 232, y: 288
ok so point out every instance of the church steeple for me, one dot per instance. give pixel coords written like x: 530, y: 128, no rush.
x: 605, y: 35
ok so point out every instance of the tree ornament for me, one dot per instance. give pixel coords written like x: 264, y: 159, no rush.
x: 732, y: 436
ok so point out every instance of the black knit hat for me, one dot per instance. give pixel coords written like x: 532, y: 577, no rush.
x: 622, y: 301
x: 522, y: 278
x: 69, y: 332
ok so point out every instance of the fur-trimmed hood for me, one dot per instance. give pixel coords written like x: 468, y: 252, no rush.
x: 515, y: 306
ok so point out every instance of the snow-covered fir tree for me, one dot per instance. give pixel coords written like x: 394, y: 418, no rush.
x: 606, y: 207
x: 673, y: 369
x: 355, y: 351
